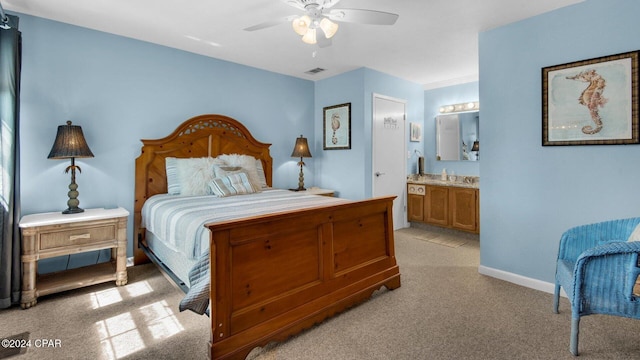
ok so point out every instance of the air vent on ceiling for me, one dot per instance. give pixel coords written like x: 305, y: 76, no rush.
x: 314, y: 71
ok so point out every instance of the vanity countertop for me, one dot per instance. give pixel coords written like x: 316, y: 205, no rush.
x: 472, y: 182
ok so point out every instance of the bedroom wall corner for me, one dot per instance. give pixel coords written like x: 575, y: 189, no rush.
x: 349, y: 171
x: 531, y: 194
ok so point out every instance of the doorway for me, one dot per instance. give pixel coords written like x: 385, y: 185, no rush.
x: 389, y: 154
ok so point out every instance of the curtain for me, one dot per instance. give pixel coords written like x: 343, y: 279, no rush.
x: 10, y: 266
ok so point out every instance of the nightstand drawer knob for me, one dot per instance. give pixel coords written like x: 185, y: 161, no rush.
x: 81, y: 236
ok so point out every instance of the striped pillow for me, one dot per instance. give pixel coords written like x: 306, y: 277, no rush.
x: 232, y: 184
x: 173, y: 180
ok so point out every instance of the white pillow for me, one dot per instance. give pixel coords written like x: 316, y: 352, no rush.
x: 190, y: 176
x: 261, y: 175
x: 233, y: 184
x: 246, y: 162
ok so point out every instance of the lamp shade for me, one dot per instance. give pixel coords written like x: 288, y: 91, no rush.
x: 329, y: 27
x: 70, y: 143
x: 309, y: 37
x: 301, y: 149
x: 301, y: 24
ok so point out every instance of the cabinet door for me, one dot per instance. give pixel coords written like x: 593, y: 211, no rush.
x: 463, y: 204
x: 415, y: 207
x: 436, y: 209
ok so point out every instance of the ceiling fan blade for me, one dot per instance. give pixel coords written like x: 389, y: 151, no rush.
x: 301, y: 4
x: 362, y: 16
x: 328, y: 3
x: 269, y: 23
x: 294, y: 3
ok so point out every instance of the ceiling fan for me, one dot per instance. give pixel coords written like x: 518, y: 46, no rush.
x: 315, y: 26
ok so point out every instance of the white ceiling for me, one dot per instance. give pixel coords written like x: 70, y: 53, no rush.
x: 434, y: 42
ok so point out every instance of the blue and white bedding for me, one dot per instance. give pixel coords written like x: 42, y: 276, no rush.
x: 178, y: 222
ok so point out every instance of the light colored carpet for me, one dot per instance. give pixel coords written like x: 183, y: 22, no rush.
x: 443, y: 310
x: 441, y: 237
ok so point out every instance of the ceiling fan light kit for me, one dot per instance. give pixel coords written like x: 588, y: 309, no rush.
x: 319, y: 15
x: 307, y: 27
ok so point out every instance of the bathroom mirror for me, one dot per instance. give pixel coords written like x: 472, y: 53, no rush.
x: 455, y: 134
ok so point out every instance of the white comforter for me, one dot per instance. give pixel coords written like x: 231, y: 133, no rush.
x: 179, y: 220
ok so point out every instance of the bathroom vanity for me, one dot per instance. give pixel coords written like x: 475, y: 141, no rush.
x: 451, y: 203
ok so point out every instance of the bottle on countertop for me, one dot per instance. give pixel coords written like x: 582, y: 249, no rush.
x: 443, y: 176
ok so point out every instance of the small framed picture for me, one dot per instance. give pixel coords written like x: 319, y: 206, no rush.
x: 591, y: 102
x: 416, y: 132
x: 337, y: 127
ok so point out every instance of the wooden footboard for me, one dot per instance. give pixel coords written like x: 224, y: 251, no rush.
x: 274, y: 276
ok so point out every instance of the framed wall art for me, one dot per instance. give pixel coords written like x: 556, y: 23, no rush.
x: 337, y: 127
x: 415, y: 132
x: 591, y: 102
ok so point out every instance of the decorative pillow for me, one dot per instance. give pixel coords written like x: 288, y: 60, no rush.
x: 222, y: 171
x: 190, y: 176
x: 173, y: 182
x: 247, y: 162
x: 261, y: 176
x: 233, y: 184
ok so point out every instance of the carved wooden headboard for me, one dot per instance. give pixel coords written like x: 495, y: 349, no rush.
x: 201, y: 136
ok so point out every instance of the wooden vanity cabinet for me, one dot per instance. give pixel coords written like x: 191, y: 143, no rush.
x: 463, y: 203
x: 446, y: 206
x: 436, y: 205
x: 415, y: 202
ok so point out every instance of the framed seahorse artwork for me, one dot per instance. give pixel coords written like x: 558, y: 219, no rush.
x: 591, y: 102
x: 337, y: 127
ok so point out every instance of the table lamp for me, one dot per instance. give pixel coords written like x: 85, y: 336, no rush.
x: 476, y: 148
x: 70, y: 144
x: 301, y: 150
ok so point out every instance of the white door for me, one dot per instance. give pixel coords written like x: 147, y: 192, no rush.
x: 390, y: 154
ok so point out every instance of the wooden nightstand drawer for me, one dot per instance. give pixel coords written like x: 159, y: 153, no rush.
x: 73, y: 237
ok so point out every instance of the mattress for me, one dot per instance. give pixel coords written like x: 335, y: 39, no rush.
x: 175, y: 224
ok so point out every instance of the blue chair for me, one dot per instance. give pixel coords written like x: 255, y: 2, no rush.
x: 598, y: 267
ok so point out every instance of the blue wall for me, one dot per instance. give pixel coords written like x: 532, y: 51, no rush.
x: 433, y: 99
x: 358, y: 88
x: 530, y: 193
x: 332, y: 165
x: 122, y: 90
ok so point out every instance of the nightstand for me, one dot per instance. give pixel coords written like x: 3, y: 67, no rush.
x: 54, y: 234
x: 318, y: 191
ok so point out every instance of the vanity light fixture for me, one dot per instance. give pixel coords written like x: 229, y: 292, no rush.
x: 462, y: 107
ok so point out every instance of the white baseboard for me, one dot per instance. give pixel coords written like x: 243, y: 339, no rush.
x: 520, y: 280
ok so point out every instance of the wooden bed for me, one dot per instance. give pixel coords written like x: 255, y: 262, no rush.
x: 342, y: 253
